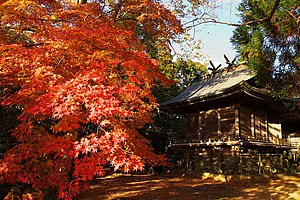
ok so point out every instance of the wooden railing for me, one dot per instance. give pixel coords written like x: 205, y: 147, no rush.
x: 234, y: 140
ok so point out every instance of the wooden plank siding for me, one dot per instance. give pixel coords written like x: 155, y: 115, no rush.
x: 192, y: 126
x: 246, y: 122
x: 227, y: 122
x: 233, y: 122
x: 211, y: 124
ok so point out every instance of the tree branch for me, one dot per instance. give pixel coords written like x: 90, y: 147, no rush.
x: 32, y: 44
x: 117, y: 10
x: 172, y: 48
x: 264, y: 19
x: 292, y: 15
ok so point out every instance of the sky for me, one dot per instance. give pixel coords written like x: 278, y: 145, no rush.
x: 215, y: 38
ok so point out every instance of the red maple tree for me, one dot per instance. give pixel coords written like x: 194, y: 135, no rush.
x: 84, y: 82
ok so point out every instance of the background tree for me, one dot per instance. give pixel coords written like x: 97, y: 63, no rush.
x: 268, y: 38
x: 168, y: 127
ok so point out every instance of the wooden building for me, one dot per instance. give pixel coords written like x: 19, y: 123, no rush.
x: 228, y: 112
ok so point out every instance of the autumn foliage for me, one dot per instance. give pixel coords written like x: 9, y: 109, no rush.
x: 83, y: 81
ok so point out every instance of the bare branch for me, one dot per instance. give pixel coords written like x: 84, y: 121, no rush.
x: 32, y: 44
x: 212, y: 20
x: 172, y: 48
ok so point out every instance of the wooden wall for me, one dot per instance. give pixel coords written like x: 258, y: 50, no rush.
x: 259, y: 125
x: 192, y: 126
x: 233, y: 122
x: 246, y: 117
x: 228, y: 124
x: 274, y: 128
x: 208, y: 126
x: 213, y: 124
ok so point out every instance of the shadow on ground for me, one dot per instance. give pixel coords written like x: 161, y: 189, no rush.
x: 149, y: 187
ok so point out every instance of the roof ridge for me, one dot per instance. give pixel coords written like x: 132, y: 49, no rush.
x: 224, y: 71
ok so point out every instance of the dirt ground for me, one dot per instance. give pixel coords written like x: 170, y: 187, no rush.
x: 151, y: 187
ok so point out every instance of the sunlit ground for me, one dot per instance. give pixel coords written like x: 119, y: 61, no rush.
x: 154, y: 187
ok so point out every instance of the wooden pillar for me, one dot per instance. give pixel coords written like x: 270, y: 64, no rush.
x: 187, y: 159
x: 252, y: 125
x: 240, y: 162
x: 222, y: 161
x: 259, y: 163
x: 219, y: 121
x: 240, y: 130
x: 199, y: 130
x: 237, y: 122
x: 268, y: 132
x: 264, y: 130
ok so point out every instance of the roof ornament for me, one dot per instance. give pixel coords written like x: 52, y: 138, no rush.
x: 199, y: 75
x: 213, y: 69
x: 228, y: 61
